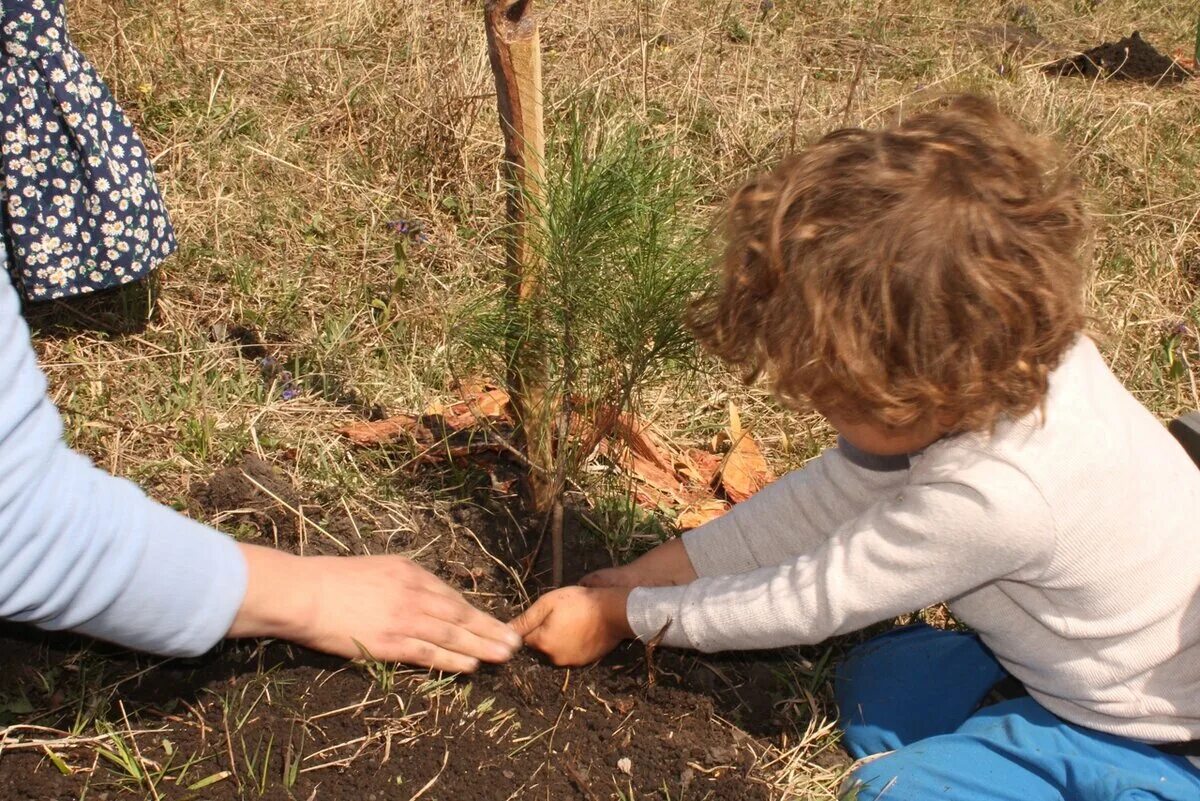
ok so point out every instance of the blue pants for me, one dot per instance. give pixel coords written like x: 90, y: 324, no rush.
x: 916, y: 691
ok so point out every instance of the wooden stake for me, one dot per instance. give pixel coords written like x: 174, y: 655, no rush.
x: 514, y: 48
x: 556, y: 544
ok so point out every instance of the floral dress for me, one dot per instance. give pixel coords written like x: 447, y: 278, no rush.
x: 81, y: 210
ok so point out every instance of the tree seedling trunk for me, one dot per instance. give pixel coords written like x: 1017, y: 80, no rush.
x: 514, y: 49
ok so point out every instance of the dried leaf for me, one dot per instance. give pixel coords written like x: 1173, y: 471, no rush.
x: 653, y: 487
x: 464, y: 573
x: 380, y: 431
x: 696, y: 516
x: 492, y: 402
x: 652, y: 475
x: 502, y: 486
x: 703, y: 465
x: 642, y: 440
x: 745, y: 471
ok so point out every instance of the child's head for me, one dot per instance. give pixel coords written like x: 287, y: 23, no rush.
x: 926, y: 272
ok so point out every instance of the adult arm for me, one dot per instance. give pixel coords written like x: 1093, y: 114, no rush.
x: 82, y: 550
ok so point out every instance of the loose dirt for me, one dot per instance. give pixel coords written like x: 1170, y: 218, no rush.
x: 257, y: 499
x: 272, y: 721
x: 1130, y: 59
x: 524, y: 730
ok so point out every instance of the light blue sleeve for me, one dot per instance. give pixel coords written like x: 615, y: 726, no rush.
x: 82, y: 550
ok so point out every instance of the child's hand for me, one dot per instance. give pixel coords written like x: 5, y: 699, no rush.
x: 576, y: 625
x: 667, y: 565
x: 397, y: 610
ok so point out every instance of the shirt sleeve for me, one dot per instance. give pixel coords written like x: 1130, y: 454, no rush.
x: 791, y: 516
x: 82, y: 550
x: 931, y: 542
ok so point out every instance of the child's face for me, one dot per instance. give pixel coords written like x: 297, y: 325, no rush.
x: 883, y: 440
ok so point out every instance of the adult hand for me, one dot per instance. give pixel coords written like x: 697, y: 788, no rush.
x: 395, y: 609
x: 576, y: 625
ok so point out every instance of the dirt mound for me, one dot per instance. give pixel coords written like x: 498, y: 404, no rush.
x: 1130, y: 59
x: 257, y: 495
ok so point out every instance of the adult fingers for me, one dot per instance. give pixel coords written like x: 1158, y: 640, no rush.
x: 457, y: 613
x: 415, y: 651
x: 452, y: 637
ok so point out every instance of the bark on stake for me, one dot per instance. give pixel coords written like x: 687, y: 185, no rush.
x: 514, y: 48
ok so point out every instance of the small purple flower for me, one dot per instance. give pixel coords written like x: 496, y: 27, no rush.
x: 410, y: 229
x: 289, y: 393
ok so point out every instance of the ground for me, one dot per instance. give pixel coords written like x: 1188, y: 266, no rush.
x: 287, y: 135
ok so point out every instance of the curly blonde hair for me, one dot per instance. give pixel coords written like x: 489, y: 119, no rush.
x: 928, y: 271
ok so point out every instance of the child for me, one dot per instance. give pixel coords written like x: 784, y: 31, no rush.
x: 921, y: 287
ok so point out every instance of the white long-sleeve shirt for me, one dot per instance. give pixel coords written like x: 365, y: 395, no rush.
x: 1072, y: 547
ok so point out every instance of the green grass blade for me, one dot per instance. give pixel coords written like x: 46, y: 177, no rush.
x: 58, y: 762
x: 208, y: 781
x: 1196, y: 53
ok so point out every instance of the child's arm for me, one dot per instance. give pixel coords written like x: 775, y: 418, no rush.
x: 932, y: 542
x: 666, y: 565
x: 790, y: 517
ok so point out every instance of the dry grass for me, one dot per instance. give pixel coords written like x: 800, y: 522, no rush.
x: 289, y: 132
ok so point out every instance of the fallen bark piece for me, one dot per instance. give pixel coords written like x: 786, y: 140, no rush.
x: 480, y: 402
x: 378, y: 432
x: 745, y: 470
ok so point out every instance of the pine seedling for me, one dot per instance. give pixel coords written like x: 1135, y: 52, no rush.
x: 621, y: 251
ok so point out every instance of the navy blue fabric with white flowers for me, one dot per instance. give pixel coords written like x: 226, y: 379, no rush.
x: 81, y: 208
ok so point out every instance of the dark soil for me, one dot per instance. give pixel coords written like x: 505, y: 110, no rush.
x: 258, y: 500
x: 1130, y: 59
x: 523, y: 730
